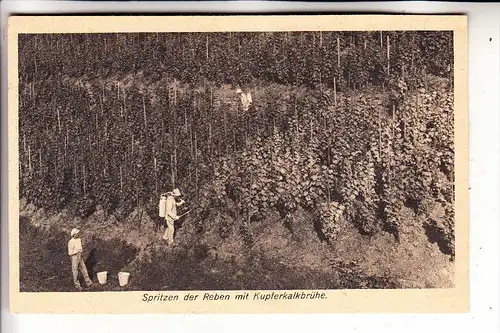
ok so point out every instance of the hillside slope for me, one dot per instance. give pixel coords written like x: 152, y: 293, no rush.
x: 278, y: 259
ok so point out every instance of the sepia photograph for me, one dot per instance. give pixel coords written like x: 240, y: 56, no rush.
x: 298, y: 161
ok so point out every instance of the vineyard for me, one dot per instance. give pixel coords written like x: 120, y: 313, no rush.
x: 346, y: 129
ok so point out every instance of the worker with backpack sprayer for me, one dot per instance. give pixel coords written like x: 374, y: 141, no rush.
x: 168, y: 210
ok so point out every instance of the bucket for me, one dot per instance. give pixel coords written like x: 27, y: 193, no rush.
x: 102, y: 277
x: 123, y: 278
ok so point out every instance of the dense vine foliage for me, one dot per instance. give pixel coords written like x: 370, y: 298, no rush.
x: 366, y: 129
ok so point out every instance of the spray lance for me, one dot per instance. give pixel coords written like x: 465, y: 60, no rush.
x: 184, y: 214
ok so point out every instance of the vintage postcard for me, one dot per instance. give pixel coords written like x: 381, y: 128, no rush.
x: 238, y: 164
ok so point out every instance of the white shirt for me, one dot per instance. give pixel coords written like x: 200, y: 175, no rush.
x: 171, y: 207
x: 75, y: 246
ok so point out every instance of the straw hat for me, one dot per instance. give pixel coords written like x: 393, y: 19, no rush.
x: 176, y: 192
x: 74, y: 231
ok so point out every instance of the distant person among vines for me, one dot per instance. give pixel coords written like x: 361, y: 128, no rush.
x: 245, y: 99
x: 171, y: 214
x: 245, y: 105
x: 75, y: 251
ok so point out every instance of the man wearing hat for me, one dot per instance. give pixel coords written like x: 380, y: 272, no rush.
x: 171, y: 214
x: 75, y: 251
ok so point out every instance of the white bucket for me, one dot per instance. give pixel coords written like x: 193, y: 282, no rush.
x: 123, y: 278
x: 102, y: 277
